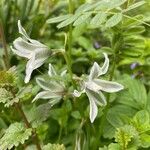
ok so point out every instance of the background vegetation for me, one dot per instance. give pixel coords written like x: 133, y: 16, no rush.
x: 120, y: 28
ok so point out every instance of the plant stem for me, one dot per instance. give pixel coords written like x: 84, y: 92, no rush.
x: 6, y: 56
x: 27, y: 123
x: 116, y: 43
x: 67, y: 54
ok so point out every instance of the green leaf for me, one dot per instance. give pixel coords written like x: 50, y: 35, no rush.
x: 111, y: 4
x: 59, y: 19
x: 98, y: 19
x: 83, y: 18
x: 54, y: 147
x: 114, y: 20
x: 145, y: 140
x: 16, y: 134
x: 38, y: 114
x: 135, y: 5
x: 125, y: 135
x: 68, y: 21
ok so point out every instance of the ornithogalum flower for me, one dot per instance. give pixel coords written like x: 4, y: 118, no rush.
x: 93, y: 86
x: 53, y: 89
x: 34, y: 51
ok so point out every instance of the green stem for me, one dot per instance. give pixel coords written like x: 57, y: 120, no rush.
x: 27, y: 123
x: 6, y: 56
x: 68, y: 53
x: 116, y: 43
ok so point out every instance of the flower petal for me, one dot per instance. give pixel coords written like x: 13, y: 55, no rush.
x: 107, y: 86
x: 51, y: 85
x: 97, y: 96
x: 22, y: 30
x: 93, y: 109
x: 105, y: 66
x: 21, y: 53
x: 29, y: 68
x: 51, y: 71
x: 46, y: 95
x: 77, y: 93
x: 94, y: 71
x: 97, y: 71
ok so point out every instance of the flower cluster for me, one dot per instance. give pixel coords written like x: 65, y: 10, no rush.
x: 93, y: 87
x: 33, y: 50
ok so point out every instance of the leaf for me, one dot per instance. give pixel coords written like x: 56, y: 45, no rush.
x: 135, y: 5
x: 145, y: 140
x: 98, y: 19
x: 16, y: 134
x: 83, y: 18
x: 125, y: 135
x: 58, y: 19
x: 109, y: 4
x: 54, y: 147
x: 38, y: 114
x: 5, y: 95
x: 68, y: 21
x: 114, y: 20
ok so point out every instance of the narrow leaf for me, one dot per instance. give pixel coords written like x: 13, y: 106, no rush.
x: 58, y: 19
x: 114, y: 20
x: 98, y: 19
x: 135, y: 5
x: 82, y: 19
x: 68, y: 21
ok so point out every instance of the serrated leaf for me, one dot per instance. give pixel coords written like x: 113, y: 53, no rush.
x: 16, y: 134
x: 68, y: 21
x: 125, y: 135
x: 114, y: 20
x: 145, y: 140
x: 98, y: 19
x: 135, y: 5
x: 38, y: 114
x: 83, y: 18
x: 58, y: 19
x: 54, y: 147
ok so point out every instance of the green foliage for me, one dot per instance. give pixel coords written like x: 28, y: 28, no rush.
x: 47, y: 104
x: 16, y: 134
x: 54, y: 147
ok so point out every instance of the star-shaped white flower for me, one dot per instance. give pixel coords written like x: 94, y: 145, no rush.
x: 33, y: 50
x: 93, y: 87
x: 53, y: 90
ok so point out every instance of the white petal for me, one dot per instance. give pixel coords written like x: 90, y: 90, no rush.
x: 63, y: 73
x: 51, y: 71
x: 22, y: 30
x: 97, y: 97
x: 107, y: 86
x: 105, y: 66
x: 94, y: 72
x: 93, y: 109
x: 50, y: 85
x: 21, y: 53
x: 46, y: 95
x: 97, y: 71
x: 77, y: 93
x: 29, y: 68
x: 24, y: 33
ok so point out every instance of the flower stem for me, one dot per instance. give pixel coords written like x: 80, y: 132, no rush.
x: 27, y: 123
x: 67, y: 54
x: 6, y: 56
x: 116, y: 44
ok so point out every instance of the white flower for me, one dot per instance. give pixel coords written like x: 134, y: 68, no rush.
x: 33, y: 50
x: 93, y: 87
x: 52, y: 89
